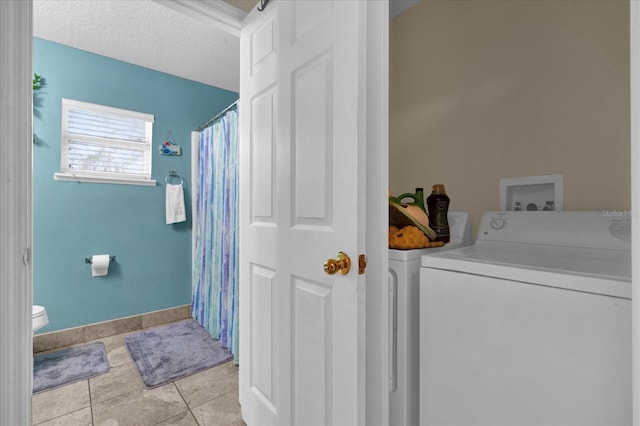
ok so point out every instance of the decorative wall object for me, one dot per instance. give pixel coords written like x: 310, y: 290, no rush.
x: 169, y: 146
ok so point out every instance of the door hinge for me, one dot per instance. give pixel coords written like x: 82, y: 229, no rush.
x: 362, y: 264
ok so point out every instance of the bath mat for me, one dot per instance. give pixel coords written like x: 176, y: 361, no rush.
x: 59, y: 368
x: 174, y: 351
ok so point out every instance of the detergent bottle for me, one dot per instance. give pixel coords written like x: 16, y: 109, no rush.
x: 438, y: 204
x: 418, y: 199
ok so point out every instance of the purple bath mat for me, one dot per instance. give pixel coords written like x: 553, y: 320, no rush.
x: 55, y: 369
x: 174, y: 351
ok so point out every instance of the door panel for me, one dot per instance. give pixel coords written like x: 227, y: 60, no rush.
x: 264, y: 153
x: 262, y: 46
x: 313, y: 314
x: 313, y: 148
x: 262, y: 357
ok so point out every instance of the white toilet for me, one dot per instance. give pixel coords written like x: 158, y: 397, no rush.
x: 40, y: 318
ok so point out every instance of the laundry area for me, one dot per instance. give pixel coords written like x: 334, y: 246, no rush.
x: 530, y: 324
x: 528, y: 320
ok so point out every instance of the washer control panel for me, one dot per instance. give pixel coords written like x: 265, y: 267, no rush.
x: 560, y: 228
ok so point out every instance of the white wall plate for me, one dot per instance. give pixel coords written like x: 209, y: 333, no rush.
x: 532, y: 193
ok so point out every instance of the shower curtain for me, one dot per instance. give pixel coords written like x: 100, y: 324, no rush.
x: 215, y: 269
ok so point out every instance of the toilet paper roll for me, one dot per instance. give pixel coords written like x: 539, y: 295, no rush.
x: 100, y: 265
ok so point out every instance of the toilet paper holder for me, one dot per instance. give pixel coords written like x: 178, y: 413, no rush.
x: 88, y: 259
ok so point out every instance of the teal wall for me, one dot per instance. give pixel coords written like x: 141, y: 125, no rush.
x: 74, y: 220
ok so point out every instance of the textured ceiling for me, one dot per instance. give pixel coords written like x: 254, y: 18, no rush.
x: 145, y: 33
x: 151, y: 35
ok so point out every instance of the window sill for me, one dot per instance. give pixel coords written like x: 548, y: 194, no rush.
x: 99, y: 179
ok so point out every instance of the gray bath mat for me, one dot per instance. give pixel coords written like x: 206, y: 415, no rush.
x: 174, y: 351
x: 55, y: 369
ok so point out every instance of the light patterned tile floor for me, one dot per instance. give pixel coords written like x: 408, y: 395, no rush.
x: 118, y: 397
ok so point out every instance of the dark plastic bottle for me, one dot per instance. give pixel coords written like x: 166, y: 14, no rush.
x: 438, y: 205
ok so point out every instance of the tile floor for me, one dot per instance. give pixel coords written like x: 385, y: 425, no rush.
x: 119, y: 397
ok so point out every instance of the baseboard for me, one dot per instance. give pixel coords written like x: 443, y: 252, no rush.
x: 86, y: 333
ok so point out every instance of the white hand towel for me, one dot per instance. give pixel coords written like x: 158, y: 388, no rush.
x: 175, y: 204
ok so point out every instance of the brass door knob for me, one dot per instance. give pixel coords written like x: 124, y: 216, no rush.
x: 341, y: 264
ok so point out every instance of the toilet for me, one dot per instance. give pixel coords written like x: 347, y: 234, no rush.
x: 40, y: 318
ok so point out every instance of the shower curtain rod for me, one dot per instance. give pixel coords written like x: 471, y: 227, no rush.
x: 215, y: 117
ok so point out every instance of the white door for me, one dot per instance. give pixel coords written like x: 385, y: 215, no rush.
x: 302, y: 200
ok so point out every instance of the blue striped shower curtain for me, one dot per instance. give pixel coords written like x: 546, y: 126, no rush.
x: 215, y: 269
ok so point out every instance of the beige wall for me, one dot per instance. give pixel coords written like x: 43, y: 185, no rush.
x: 483, y: 90
x: 245, y: 5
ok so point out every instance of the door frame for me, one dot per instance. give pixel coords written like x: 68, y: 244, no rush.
x: 634, y: 60
x: 16, y: 114
x: 377, y: 314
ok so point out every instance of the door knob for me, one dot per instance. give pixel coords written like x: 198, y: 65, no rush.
x: 341, y: 264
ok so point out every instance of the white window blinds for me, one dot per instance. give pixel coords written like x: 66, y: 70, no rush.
x: 107, y: 144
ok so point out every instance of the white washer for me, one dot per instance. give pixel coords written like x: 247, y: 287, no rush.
x: 531, y: 325
x: 404, y: 284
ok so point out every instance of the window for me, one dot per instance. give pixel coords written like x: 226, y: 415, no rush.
x: 104, y: 144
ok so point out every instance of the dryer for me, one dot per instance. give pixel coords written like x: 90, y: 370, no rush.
x: 531, y: 325
x: 404, y: 281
